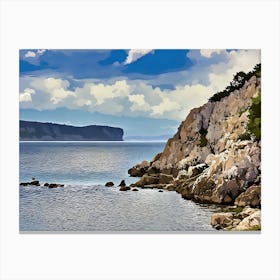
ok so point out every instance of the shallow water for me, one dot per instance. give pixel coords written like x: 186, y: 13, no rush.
x: 85, y: 204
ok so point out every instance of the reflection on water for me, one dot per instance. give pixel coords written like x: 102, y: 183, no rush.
x: 84, y: 204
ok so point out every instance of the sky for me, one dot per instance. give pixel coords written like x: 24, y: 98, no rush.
x: 146, y: 92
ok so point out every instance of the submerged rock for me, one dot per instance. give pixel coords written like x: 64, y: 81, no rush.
x: 124, y: 188
x: 109, y: 184
x: 122, y: 183
x: 53, y: 185
x: 135, y: 190
x: 32, y: 183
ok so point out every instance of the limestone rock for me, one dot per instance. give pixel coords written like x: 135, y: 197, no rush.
x: 206, y: 157
x: 139, y: 169
x: 251, y: 197
x: 252, y: 222
x: 165, y: 179
x: 147, y: 180
x: 221, y: 220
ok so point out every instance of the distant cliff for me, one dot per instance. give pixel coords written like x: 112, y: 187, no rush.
x: 37, y: 131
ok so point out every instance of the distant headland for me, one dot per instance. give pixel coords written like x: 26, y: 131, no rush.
x: 38, y: 131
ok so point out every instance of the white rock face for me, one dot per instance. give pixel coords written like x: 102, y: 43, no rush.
x: 209, y: 135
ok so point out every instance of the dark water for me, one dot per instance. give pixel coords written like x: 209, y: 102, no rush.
x: 84, y: 204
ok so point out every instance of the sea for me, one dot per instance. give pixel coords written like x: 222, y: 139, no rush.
x: 85, y: 205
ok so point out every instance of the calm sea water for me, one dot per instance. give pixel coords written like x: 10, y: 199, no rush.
x: 84, y: 204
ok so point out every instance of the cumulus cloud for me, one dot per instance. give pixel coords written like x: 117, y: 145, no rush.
x: 209, y: 52
x: 34, y: 54
x: 138, y: 97
x: 30, y: 54
x: 41, y: 51
x: 25, y: 96
x: 57, y: 89
x: 103, y: 92
x: 135, y: 54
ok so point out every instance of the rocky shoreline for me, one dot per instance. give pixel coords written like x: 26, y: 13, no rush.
x: 214, y: 159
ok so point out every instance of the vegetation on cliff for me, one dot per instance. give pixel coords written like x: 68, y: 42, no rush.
x: 237, y: 83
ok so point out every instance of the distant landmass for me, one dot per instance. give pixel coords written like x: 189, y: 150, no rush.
x: 38, y: 131
x: 148, y: 138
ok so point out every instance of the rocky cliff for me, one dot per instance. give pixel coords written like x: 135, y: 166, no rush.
x: 213, y: 157
x: 37, y: 131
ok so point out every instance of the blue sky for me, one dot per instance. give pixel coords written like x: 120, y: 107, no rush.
x: 146, y: 92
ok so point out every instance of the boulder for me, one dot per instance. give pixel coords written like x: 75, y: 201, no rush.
x: 251, y: 197
x: 139, y: 170
x: 252, y: 222
x: 53, y: 185
x: 46, y: 184
x: 160, y: 191
x: 170, y: 187
x: 165, y: 179
x: 35, y: 183
x: 147, y: 180
x: 247, y: 211
x: 124, y: 188
x: 109, y: 184
x: 196, y: 170
x: 122, y: 183
x: 221, y: 220
x: 135, y: 190
x: 32, y: 183
x: 227, y: 192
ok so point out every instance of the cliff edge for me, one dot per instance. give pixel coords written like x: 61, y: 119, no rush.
x: 215, y: 156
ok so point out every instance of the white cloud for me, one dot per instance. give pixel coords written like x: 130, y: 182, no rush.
x: 135, y: 54
x: 166, y: 105
x: 41, y: 51
x: 25, y: 96
x: 138, y: 103
x: 138, y: 97
x: 56, y: 88
x: 209, y: 52
x: 30, y: 54
x: 34, y: 54
x: 103, y: 92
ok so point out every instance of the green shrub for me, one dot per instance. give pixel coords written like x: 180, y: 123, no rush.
x: 254, y: 125
x: 238, y: 82
x: 245, y: 136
